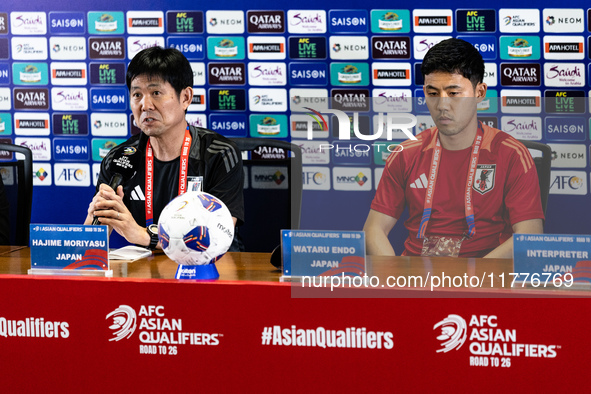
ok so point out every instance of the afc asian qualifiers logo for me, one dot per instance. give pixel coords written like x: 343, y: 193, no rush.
x: 485, y: 178
x: 123, y: 323
x: 453, y: 333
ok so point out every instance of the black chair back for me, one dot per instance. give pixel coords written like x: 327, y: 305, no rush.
x: 272, y: 191
x: 17, y: 175
x: 543, y: 166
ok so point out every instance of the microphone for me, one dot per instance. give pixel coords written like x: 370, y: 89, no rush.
x: 124, y: 169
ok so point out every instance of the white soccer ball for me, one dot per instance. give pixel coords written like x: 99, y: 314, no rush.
x: 195, y: 228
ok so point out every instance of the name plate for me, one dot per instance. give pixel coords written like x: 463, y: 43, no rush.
x: 552, y: 256
x: 69, y: 248
x: 323, y: 253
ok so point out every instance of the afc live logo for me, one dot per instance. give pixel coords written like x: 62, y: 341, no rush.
x: 564, y: 101
x: 307, y: 47
x: 470, y: 21
x: 227, y: 99
x: 184, y: 21
x: 70, y: 124
x: 107, y: 73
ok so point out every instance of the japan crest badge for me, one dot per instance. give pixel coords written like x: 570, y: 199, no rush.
x: 485, y: 178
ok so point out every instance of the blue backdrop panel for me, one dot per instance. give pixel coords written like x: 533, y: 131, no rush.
x: 62, y: 89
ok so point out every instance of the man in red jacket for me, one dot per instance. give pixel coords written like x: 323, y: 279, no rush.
x: 468, y: 186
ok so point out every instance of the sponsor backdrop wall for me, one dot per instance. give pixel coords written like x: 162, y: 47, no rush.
x: 63, y: 94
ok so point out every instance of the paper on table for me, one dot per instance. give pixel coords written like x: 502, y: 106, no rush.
x: 130, y: 253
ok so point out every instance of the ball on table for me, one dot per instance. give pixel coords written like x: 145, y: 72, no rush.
x: 195, y: 228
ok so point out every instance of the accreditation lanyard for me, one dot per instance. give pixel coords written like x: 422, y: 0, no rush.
x: 468, y: 206
x: 184, y: 165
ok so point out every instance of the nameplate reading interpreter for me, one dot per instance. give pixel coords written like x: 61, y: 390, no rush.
x: 58, y: 249
x: 322, y: 253
x: 552, y: 257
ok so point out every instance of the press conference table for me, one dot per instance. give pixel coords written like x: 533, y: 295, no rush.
x: 256, y: 267
x: 249, y: 331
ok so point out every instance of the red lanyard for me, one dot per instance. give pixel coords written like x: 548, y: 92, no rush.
x: 184, y: 165
x: 468, y: 206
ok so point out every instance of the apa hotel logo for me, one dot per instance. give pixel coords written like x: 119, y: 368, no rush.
x: 564, y: 47
x: 432, y: 21
x: 266, y: 48
x: 145, y: 22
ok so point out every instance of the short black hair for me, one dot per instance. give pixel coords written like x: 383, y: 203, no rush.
x: 169, y: 64
x: 455, y: 56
